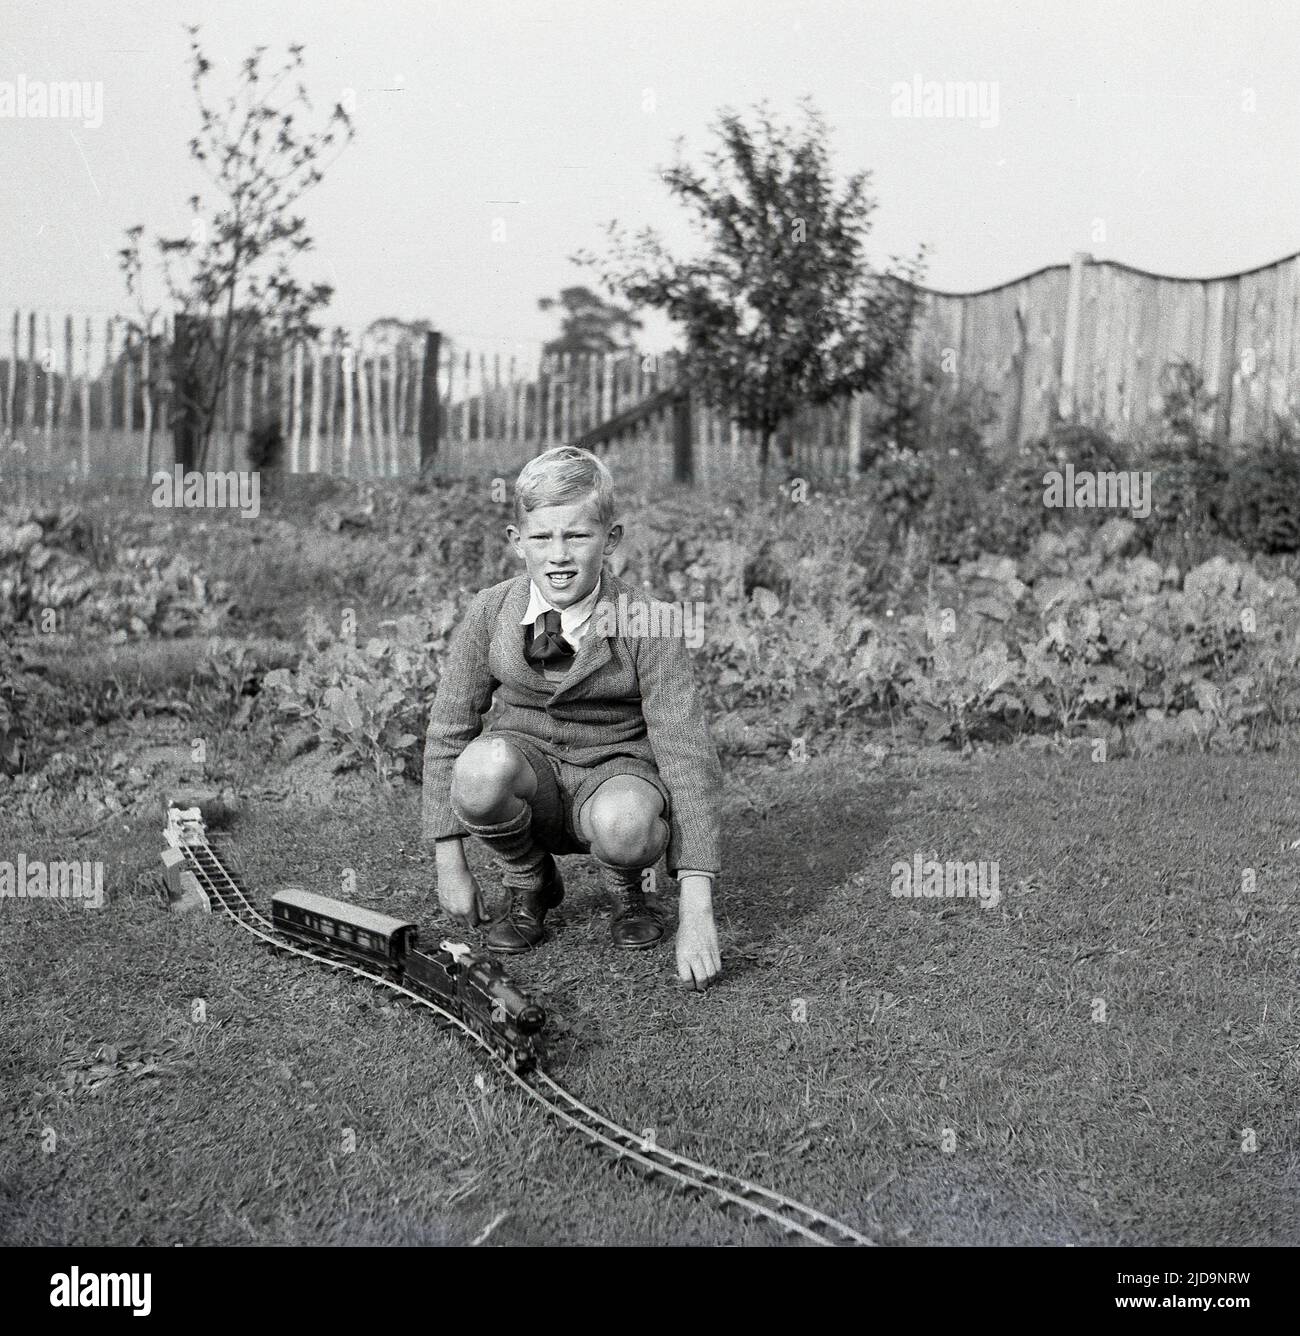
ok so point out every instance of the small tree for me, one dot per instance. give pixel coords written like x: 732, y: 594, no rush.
x: 391, y: 331
x: 230, y: 280
x: 781, y: 309
x: 590, y: 324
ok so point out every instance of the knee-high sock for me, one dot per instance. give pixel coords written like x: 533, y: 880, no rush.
x: 619, y: 880
x: 512, y: 842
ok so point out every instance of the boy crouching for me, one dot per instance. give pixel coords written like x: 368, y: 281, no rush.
x: 600, y: 746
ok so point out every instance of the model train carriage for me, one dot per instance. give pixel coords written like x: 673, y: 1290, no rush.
x: 320, y: 921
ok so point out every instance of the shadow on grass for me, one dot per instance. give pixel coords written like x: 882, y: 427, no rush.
x: 815, y: 826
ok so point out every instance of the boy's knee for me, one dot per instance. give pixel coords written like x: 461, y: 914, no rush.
x: 624, y: 824
x: 487, y: 775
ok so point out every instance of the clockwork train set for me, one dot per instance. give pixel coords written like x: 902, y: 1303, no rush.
x: 472, y: 992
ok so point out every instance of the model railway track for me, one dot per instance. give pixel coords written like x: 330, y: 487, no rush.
x: 225, y: 891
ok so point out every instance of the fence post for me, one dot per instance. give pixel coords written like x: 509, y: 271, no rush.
x: 430, y: 403
x: 295, y: 409
x: 347, y: 366
x: 47, y: 366
x: 855, y: 436
x: 285, y: 360
x: 147, y: 379
x: 683, y: 461
x: 85, y: 400
x: 313, y: 443
x: 1019, y: 361
x: 29, y: 396
x: 65, y: 389
x: 185, y: 408
x: 11, y: 390
x: 1065, y: 404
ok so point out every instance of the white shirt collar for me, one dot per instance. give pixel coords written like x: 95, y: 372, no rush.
x: 573, y: 620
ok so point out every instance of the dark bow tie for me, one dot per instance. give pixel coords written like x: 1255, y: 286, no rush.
x: 547, y: 645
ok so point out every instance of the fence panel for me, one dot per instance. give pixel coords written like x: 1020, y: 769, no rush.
x: 1090, y: 339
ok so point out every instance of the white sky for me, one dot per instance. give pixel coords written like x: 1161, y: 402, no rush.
x: 1132, y: 113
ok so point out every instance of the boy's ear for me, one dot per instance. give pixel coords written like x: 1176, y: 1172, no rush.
x: 516, y: 539
x: 613, y: 538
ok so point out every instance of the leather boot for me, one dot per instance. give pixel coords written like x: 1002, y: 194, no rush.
x: 634, y: 925
x: 521, y: 929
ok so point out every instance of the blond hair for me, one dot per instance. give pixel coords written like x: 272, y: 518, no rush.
x: 562, y: 474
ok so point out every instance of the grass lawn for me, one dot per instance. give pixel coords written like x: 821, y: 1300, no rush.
x: 1122, y: 885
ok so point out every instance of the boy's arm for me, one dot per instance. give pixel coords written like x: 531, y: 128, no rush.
x: 684, y: 753
x: 456, y: 717
x: 699, y: 959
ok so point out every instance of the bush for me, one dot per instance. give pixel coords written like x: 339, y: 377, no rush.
x: 1020, y: 514
x: 935, y: 477
x: 266, y: 445
x: 27, y: 704
x: 1261, y: 499
x: 1187, y: 464
x: 935, y: 473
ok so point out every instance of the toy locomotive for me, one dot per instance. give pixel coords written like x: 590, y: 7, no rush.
x: 473, y: 987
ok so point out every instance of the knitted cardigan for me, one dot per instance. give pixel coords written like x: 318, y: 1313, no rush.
x: 623, y: 696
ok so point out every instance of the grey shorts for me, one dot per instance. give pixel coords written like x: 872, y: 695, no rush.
x: 562, y: 789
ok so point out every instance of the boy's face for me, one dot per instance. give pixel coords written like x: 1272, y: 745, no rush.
x: 563, y: 548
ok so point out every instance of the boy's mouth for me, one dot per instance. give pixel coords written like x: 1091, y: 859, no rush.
x: 561, y: 579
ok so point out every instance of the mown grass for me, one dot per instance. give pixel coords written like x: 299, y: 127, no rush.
x: 1122, y: 882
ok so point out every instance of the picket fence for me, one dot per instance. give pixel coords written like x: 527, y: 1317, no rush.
x: 1089, y: 340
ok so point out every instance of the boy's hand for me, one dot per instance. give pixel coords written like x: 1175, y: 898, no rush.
x: 458, y: 889
x: 459, y: 895
x: 699, y: 962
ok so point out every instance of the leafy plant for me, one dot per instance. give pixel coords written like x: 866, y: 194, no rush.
x: 958, y: 689
x: 368, y: 703
x: 1261, y: 502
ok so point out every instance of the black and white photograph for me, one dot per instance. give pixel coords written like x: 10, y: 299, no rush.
x: 648, y: 625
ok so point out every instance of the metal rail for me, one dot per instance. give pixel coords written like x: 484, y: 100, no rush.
x: 225, y: 889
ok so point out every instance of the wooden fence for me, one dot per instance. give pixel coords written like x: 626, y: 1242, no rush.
x: 86, y: 398
x: 1088, y: 340
x: 73, y: 396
